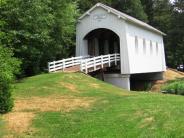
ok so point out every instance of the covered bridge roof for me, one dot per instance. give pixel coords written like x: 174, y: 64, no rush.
x: 123, y: 16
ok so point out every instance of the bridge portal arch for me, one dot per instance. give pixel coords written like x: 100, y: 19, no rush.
x: 102, y: 41
x: 100, y: 27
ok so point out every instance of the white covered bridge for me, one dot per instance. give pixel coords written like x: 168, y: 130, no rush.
x: 127, y: 47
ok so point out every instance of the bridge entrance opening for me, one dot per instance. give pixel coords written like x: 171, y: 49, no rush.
x: 102, y: 42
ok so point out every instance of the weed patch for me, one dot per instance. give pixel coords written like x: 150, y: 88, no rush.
x: 51, y: 103
x: 19, y: 122
x: 69, y: 86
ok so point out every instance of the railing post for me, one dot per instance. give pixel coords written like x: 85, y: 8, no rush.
x: 72, y: 61
x: 81, y: 65
x: 86, y: 69
x: 78, y: 61
x: 54, y: 66
x: 48, y: 66
x: 115, y: 59
x: 63, y: 64
x: 82, y: 61
x: 102, y: 62
x: 94, y: 64
x: 109, y: 60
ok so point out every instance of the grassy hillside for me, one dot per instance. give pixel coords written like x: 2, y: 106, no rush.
x: 69, y: 105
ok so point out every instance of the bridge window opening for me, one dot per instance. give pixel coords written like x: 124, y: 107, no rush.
x: 157, y: 48
x: 144, y: 46
x: 136, y: 45
x: 151, y: 47
x: 102, y: 42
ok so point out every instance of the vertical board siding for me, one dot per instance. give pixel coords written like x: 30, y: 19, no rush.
x: 150, y: 61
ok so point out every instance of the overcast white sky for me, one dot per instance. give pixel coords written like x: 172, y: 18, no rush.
x: 172, y: 1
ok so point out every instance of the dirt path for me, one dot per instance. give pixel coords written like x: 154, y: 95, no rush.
x: 170, y: 74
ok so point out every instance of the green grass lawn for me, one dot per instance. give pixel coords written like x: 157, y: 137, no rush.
x: 113, y: 112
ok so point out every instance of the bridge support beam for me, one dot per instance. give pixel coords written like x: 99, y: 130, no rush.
x: 120, y: 80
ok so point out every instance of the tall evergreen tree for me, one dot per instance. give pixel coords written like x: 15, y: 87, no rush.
x: 131, y: 7
x: 162, y: 14
x: 175, y: 47
x: 159, y: 13
x: 149, y: 9
x: 85, y: 5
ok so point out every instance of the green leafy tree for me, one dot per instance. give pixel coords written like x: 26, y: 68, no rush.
x: 9, y: 66
x: 41, y: 30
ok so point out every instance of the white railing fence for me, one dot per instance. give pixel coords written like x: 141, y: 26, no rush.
x: 65, y: 63
x: 99, y: 62
x: 85, y: 62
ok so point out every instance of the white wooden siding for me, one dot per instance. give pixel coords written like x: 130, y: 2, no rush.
x: 140, y: 62
x: 111, y: 22
x: 132, y: 61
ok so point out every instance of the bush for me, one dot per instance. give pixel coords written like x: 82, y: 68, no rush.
x: 6, y: 102
x: 174, y: 87
x: 8, y: 67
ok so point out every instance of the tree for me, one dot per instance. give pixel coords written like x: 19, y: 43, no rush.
x: 42, y: 31
x: 175, y: 47
x: 131, y: 7
x: 160, y: 16
x: 9, y: 66
x: 159, y: 13
x: 85, y: 5
x: 149, y: 10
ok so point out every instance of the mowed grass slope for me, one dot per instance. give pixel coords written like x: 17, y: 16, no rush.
x: 73, y: 105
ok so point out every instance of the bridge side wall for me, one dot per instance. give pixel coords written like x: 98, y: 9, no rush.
x: 145, y: 50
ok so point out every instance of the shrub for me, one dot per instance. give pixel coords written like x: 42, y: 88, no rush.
x: 6, y: 102
x: 174, y: 87
x: 8, y: 67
